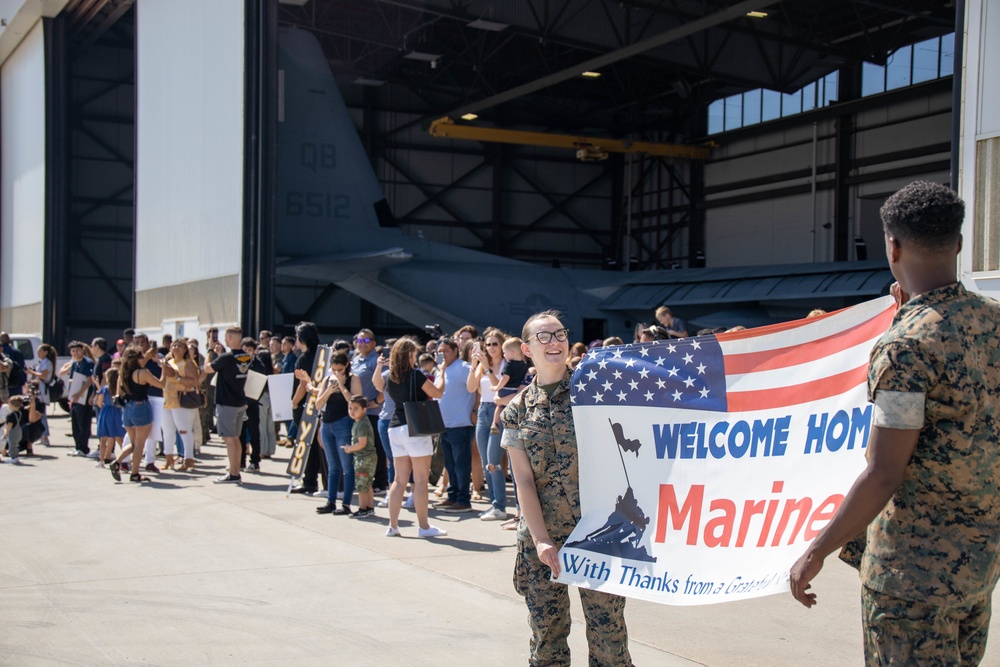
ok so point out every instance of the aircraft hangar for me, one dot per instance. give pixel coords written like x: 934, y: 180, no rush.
x: 396, y: 163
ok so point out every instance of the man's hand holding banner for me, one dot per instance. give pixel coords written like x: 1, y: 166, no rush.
x: 708, y: 463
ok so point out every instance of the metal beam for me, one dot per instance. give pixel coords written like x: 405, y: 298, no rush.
x: 696, y: 26
x: 446, y: 128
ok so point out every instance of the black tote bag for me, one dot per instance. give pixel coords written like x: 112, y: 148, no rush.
x: 422, y: 417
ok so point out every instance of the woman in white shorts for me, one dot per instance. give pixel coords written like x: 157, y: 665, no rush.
x: 409, y: 453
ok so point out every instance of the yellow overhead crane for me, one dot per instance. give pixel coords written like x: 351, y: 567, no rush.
x: 587, y: 149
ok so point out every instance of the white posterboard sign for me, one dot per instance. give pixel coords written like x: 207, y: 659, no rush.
x: 255, y: 384
x: 280, y: 388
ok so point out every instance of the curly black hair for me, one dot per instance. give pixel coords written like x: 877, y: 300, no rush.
x: 924, y: 214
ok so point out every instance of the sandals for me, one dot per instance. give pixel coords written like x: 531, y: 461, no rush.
x: 137, y: 478
x: 115, y: 468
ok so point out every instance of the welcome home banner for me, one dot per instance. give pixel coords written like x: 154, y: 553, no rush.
x: 708, y: 463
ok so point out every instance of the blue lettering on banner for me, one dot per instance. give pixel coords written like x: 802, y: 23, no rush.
x: 839, y: 430
x: 694, y: 440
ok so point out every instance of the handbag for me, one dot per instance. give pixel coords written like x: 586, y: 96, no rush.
x: 191, y: 399
x: 57, y: 389
x: 422, y: 417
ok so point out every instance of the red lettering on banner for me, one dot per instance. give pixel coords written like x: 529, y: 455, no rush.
x: 685, y: 517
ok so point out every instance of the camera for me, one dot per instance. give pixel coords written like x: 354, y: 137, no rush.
x: 434, y: 330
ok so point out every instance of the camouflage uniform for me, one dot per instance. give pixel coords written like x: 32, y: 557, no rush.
x: 931, y: 563
x: 542, y: 426
x: 366, y: 459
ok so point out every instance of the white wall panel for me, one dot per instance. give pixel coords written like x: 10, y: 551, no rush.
x: 189, y: 166
x: 22, y: 169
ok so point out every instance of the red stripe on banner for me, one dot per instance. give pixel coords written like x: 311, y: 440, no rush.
x: 757, y: 332
x: 806, y: 392
x: 803, y: 353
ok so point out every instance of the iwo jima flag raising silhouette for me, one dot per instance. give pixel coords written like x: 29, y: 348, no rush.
x: 708, y: 463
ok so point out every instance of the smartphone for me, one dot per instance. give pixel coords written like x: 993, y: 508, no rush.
x: 440, y: 358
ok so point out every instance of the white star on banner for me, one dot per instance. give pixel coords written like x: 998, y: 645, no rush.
x: 599, y: 398
x: 704, y: 393
x: 649, y: 395
x: 580, y: 386
x: 677, y: 395
x: 659, y: 361
x: 622, y: 396
x: 688, y: 358
x: 701, y: 369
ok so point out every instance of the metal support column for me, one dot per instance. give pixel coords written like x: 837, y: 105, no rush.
x: 55, y: 290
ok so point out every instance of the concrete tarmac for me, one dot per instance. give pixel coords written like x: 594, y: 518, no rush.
x: 181, y: 571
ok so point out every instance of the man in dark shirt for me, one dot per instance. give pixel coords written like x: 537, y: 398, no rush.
x: 230, y: 399
x: 102, y: 360
x: 15, y: 355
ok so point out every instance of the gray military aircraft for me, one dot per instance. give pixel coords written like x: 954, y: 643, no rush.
x: 328, y: 192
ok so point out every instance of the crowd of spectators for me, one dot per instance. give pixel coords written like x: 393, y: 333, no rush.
x: 471, y: 375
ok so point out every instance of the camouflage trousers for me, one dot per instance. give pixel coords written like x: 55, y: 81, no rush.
x: 904, y: 632
x: 549, y: 618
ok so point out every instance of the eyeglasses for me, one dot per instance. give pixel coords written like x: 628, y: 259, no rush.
x: 492, y: 344
x: 545, y: 337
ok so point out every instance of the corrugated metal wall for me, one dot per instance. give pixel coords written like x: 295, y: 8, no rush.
x: 22, y: 189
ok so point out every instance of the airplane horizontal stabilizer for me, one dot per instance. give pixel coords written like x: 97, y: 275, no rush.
x: 400, y: 304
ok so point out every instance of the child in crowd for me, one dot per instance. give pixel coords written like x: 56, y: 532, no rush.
x: 22, y: 426
x: 509, y: 382
x: 363, y: 447
x: 12, y: 433
x: 427, y: 365
x: 110, y: 429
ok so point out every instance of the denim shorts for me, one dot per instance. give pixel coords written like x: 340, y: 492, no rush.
x: 137, y: 413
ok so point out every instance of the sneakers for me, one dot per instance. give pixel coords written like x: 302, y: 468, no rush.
x: 329, y: 508
x: 457, y: 508
x: 304, y: 490
x: 100, y: 464
x: 75, y: 452
x: 44, y: 441
x: 408, y: 503
x: 228, y: 479
x: 361, y: 514
x: 392, y: 532
x: 14, y: 461
x: 443, y: 505
x: 253, y: 467
x: 493, y: 514
x: 431, y: 531
x: 343, y: 510
x: 319, y: 493
x: 383, y: 503
x: 93, y: 454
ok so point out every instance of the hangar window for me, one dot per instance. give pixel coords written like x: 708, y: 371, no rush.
x: 761, y: 105
x: 924, y: 61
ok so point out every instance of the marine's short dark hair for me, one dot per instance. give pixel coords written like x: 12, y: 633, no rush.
x: 928, y: 215
x: 308, y: 334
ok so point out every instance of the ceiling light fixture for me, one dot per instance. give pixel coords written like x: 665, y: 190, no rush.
x: 591, y: 75
x: 757, y: 15
x: 492, y: 26
x: 365, y: 81
x: 470, y: 116
x: 420, y: 55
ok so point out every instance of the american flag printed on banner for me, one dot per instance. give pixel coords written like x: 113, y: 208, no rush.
x: 756, y: 369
